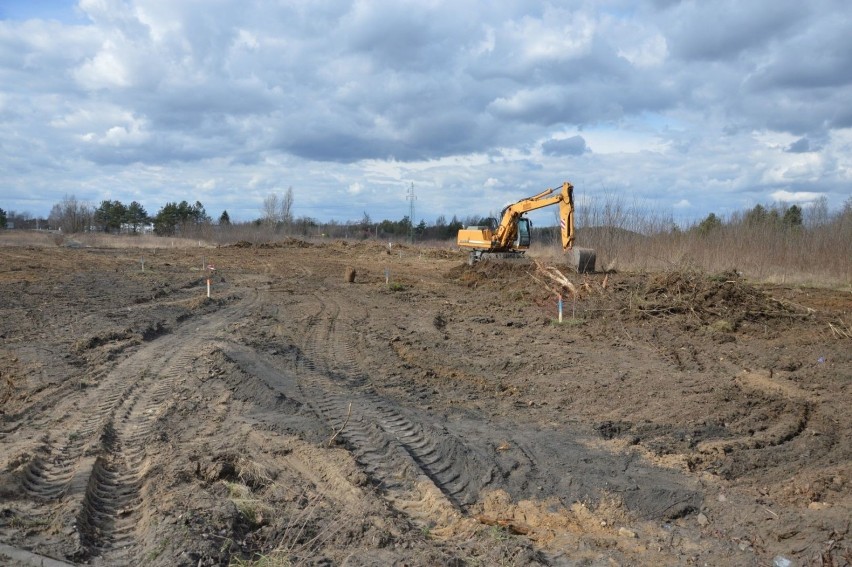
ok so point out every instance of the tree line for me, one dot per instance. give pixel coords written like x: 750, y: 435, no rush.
x: 112, y: 216
x: 779, y: 216
x: 186, y: 219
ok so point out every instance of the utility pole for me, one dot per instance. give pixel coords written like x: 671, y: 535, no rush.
x: 411, y: 198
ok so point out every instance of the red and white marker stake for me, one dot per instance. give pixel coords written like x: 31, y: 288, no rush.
x: 210, y: 269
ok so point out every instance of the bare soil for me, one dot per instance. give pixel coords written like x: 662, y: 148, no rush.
x: 426, y: 413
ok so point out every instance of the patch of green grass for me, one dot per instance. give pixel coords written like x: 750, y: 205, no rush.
x: 28, y: 522
x: 157, y: 551
x: 274, y: 559
x: 256, y: 512
x: 570, y: 322
x: 498, y: 533
x: 722, y: 326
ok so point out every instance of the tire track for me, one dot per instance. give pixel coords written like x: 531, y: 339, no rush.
x: 37, y: 415
x: 109, y: 509
x: 786, y: 424
x: 107, y: 515
x: 409, y: 460
x: 444, y: 462
x: 49, y: 475
x: 31, y: 418
x: 98, y: 470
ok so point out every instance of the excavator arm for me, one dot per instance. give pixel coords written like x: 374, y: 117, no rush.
x: 507, y: 231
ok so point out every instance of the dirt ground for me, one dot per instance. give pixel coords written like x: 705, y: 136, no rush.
x: 427, y: 413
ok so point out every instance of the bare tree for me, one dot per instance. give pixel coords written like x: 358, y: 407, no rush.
x: 286, y: 210
x: 270, y: 209
x: 278, y: 209
x: 817, y: 214
x: 71, y: 215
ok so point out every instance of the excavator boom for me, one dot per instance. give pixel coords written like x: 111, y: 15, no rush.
x: 507, y: 230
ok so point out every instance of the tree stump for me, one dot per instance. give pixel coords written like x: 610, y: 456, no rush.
x: 349, y: 274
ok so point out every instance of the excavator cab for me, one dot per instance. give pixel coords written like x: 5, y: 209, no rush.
x: 522, y: 239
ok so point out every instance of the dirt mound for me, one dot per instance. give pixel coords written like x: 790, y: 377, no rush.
x: 286, y: 243
x: 726, y: 297
x: 498, y: 273
x: 442, y: 254
x: 359, y: 246
x: 705, y: 295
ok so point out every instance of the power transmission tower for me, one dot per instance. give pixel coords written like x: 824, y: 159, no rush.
x: 411, y: 198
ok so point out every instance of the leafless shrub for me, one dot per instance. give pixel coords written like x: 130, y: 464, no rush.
x: 628, y: 237
x: 301, y: 535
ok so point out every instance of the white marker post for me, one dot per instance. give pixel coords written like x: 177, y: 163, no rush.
x: 387, y: 276
x: 210, y: 269
x: 559, y: 304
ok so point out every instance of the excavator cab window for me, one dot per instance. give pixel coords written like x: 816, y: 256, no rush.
x: 523, y: 238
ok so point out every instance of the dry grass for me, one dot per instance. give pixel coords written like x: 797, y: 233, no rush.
x: 841, y: 329
x: 98, y: 240
x: 627, y: 239
x: 252, y: 474
x: 255, y: 511
x: 27, y: 238
x: 766, y: 255
x: 51, y: 239
x: 7, y: 387
x: 302, y: 532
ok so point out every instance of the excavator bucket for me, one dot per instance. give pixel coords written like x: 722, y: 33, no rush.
x: 582, y: 259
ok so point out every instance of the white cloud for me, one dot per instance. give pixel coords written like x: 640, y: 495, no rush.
x: 651, y: 52
x: 106, y: 69
x: 247, y: 40
x: 472, y: 102
x: 556, y: 35
x: 796, y: 196
x: 487, y: 44
x: 613, y: 141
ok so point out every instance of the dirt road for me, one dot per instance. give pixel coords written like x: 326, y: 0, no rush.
x: 428, y: 413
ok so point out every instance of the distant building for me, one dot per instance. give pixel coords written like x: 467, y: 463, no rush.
x: 127, y: 228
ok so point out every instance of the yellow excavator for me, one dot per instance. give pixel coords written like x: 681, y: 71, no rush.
x: 511, y: 237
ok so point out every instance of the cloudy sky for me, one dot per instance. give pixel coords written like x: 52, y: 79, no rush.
x: 683, y: 107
